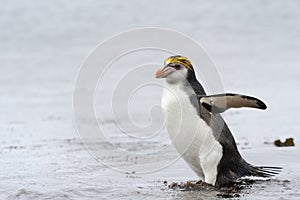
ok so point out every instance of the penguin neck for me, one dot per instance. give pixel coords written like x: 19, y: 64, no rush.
x: 188, y: 84
x: 194, y: 83
x: 181, y: 85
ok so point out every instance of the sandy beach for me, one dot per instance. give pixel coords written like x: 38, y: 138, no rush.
x: 255, y: 47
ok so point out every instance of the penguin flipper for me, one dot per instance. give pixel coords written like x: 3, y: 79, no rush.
x: 219, y: 103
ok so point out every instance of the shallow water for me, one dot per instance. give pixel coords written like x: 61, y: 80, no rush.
x: 255, y: 46
x: 63, y: 169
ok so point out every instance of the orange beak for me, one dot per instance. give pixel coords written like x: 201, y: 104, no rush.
x: 164, y: 72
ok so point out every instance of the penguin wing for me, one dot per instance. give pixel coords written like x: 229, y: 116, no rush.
x: 219, y: 103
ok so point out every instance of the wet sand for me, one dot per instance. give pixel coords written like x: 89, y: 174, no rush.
x: 63, y: 169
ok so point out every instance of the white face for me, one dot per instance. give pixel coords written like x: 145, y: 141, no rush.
x: 173, y: 73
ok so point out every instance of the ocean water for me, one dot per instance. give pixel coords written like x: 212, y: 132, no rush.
x: 254, y: 45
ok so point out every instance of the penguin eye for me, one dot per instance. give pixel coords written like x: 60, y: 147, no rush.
x: 177, y: 66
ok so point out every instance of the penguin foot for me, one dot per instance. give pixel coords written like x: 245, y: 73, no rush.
x: 203, y: 183
x: 192, y: 185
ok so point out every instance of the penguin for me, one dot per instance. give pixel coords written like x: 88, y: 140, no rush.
x: 197, y: 129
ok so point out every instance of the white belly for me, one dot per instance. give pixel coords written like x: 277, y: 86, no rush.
x: 190, y: 135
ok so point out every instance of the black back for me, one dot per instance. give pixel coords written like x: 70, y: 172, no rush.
x: 231, y: 165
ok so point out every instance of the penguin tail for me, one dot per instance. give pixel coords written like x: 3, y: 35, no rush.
x: 264, y: 171
x: 228, y: 178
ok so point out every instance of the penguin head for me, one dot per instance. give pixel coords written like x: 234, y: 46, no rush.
x: 176, y: 68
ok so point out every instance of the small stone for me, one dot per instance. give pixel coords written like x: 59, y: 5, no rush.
x: 173, y: 185
x: 189, y: 183
x: 287, y: 143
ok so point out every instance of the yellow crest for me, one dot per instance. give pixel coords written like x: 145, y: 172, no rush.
x: 181, y: 60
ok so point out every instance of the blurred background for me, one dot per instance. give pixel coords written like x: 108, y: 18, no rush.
x: 254, y: 44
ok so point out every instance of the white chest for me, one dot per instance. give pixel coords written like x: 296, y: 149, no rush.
x: 190, y: 134
x: 186, y: 129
